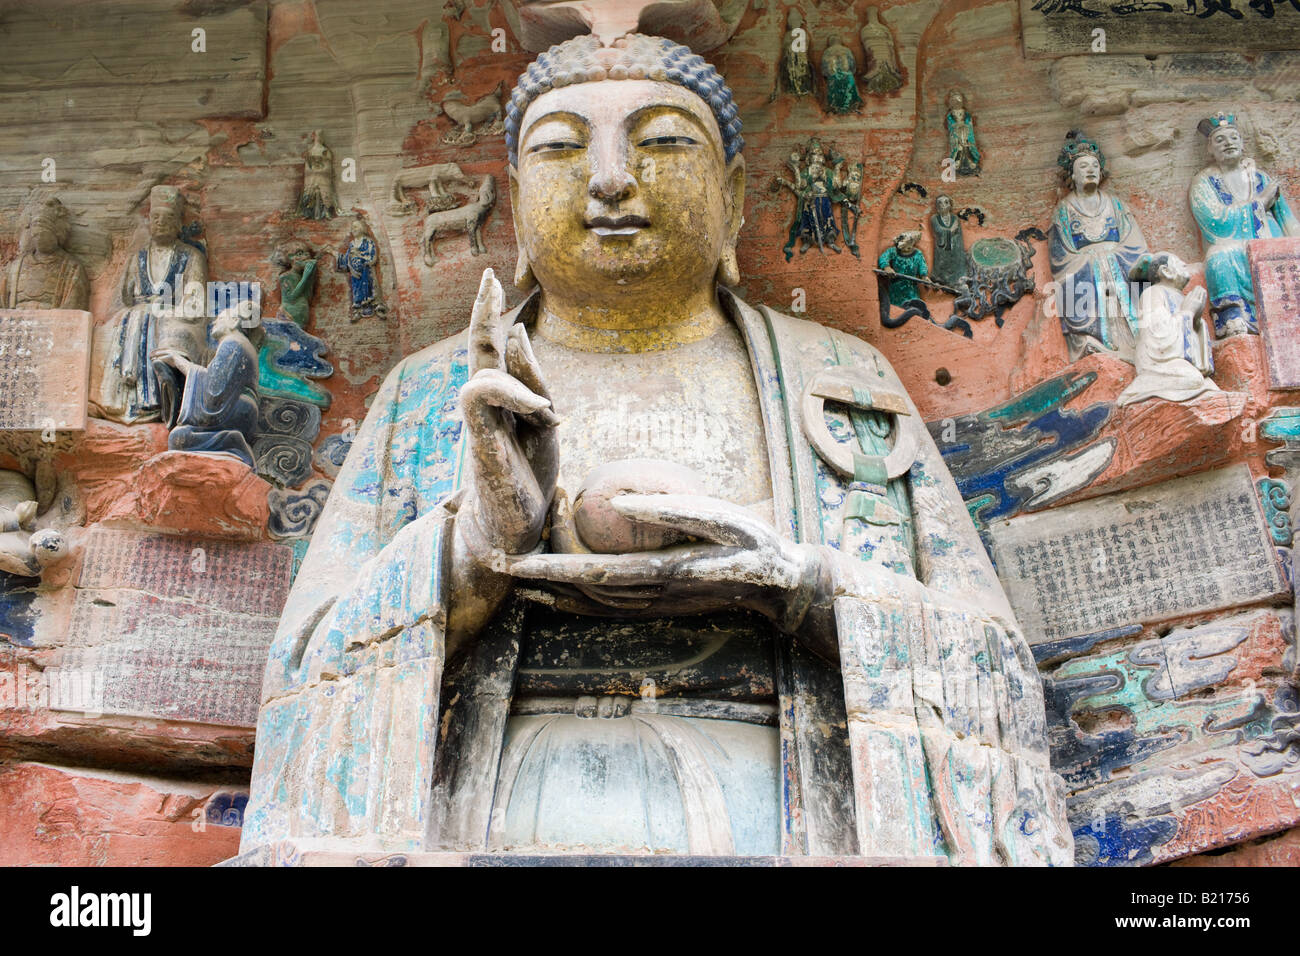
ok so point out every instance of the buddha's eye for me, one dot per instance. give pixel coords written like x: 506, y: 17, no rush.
x: 668, y: 141
x: 555, y: 145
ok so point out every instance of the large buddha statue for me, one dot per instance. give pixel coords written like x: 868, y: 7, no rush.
x: 639, y: 567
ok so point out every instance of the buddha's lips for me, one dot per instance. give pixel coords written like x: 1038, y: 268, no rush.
x: 620, y: 226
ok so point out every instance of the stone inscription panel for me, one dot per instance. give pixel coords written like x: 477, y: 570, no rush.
x: 176, y: 628
x: 1194, y: 544
x: 1054, y: 28
x: 44, y: 369
x: 1275, y: 270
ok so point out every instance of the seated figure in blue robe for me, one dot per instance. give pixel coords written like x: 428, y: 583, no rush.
x: 637, y: 567
x: 212, y: 409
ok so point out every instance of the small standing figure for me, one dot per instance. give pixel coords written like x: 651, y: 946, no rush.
x: 1174, y: 358
x: 814, y: 187
x: 883, y: 75
x: 950, y: 265
x: 848, y: 187
x: 1234, y: 202
x: 44, y: 275
x: 905, y: 261
x: 318, y: 200
x: 213, y: 409
x: 297, y: 280
x: 795, y: 73
x: 961, y: 136
x: 840, y: 69
x: 360, y: 260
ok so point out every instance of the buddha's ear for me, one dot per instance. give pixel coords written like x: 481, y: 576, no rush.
x: 728, y: 267
x: 524, y: 279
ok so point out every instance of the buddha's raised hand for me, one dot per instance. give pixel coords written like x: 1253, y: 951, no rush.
x: 739, y: 561
x: 510, y: 425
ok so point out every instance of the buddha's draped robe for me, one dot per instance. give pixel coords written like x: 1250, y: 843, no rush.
x: 945, y: 709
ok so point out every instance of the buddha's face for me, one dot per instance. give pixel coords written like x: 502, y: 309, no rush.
x: 164, y: 222
x: 1226, y: 144
x: 622, y: 187
x: 1086, y: 172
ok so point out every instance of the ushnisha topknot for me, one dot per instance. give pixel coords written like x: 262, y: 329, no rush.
x: 633, y: 57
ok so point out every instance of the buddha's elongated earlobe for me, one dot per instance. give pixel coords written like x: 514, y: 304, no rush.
x: 524, y: 278
x: 728, y: 267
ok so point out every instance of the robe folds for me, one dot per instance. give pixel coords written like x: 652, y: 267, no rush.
x: 946, y: 732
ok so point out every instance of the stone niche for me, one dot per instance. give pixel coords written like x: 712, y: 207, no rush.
x: 1146, y: 548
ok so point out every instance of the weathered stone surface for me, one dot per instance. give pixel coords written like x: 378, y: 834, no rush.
x: 1275, y: 269
x: 58, y: 816
x: 1280, y: 850
x: 44, y: 368
x: 1194, y: 544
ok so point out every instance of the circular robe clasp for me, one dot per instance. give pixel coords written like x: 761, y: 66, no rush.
x: 850, y: 387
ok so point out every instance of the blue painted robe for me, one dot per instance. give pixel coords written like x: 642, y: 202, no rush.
x: 358, y: 261
x: 1091, y: 267
x: 946, y: 725
x: 1227, y: 224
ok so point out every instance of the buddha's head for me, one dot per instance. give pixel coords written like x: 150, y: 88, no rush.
x: 1223, y: 138
x: 626, y: 177
x: 166, y: 207
x: 46, y: 226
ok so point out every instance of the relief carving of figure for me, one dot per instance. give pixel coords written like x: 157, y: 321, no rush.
x: 764, y: 514
x: 795, y: 72
x: 44, y: 275
x: 360, y: 260
x: 1174, y: 359
x: 164, y: 304
x: 1233, y: 201
x: 816, y: 194
x: 318, y: 200
x: 1094, y: 241
x: 882, y: 74
x: 839, y: 69
x: 961, y: 136
x: 25, y: 550
x: 950, y: 265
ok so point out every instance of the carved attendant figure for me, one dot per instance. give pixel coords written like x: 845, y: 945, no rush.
x: 432, y: 582
x: 216, y: 413
x: 950, y: 264
x: 359, y: 259
x: 906, y: 261
x: 961, y: 136
x: 1174, y: 358
x: 882, y: 74
x: 1233, y: 202
x: 838, y: 68
x: 795, y: 73
x: 317, y: 200
x: 44, y: 275
x: 164, y: 294
x: 815, y: 191
x: 1093, y: 242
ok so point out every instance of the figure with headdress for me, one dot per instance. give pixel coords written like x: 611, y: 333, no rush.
x: 44, y: 274
x: 815, y: 193
x: 317, y: 200
x: 164, y: 307
x: 795, y: 72
x: 839, y: 69
x: 905, y: 261
x: 1233, y: 201
x: 1094, y: 241
x: 1174, y: 359
x: 962, y: 150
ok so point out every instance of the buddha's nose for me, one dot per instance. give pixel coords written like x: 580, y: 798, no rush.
x: 611, y: 181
